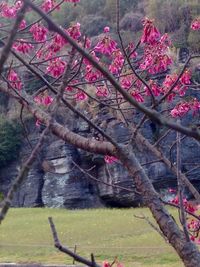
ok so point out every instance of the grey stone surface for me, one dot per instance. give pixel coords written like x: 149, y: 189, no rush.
x: 55, y: 182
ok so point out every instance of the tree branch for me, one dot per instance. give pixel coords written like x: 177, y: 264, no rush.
x: 67, y: 251
x: 152, y: 114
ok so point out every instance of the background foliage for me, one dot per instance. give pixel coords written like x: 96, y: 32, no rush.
x: 10, y: 140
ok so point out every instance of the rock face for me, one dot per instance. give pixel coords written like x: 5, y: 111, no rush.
x: 54, y: 180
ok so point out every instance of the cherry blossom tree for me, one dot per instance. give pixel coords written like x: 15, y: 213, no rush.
x: 125, y: 78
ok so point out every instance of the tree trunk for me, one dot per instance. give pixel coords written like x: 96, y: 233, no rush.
x: 187, y: 251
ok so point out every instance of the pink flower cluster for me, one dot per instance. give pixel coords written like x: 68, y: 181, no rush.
x: 117, y: 63
x: 92, y: 74
x: 48, y: 5
x: 150, y: 33
x: 182, y: 109
x: 193, y: 224
x: 181, y: 86
x: 155, y: 57
x: 10, y: 11
x: 117, y: 264
x: 110, y: 159
x: 127, y: 81
x: 74, y: 31
x: 195, y: 24
x: 131, y: 48
x: 102, y: 91
x: 39, y: 32
x: 154, y: 87
x: 56, y: 67
x: 14, y: 80
x: 22, y: 24
x: 80, y: 96
x: 137, y: 95
x: 57, y: 43
x: 187, y: 205
x: 44, y: 100
x: 106, y: 46
x: 22, y: 46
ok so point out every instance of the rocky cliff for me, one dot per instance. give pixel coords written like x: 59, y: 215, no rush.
x: 55, y: 181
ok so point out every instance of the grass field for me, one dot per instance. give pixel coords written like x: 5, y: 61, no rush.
x: 25, y: 237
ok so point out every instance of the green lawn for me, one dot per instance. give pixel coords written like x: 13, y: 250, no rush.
x: 25, y: 237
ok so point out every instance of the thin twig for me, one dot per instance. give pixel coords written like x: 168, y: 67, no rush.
x: 67, y: 251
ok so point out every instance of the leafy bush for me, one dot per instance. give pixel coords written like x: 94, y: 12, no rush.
x: 93, y: 25
x: 132, y: 21
x: 10, y: 140
x: 194, y: 40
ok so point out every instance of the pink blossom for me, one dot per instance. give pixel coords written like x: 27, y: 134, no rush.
x: 110, y: 159
x: 56, y: 44
x: 45, y: 53
x: 106, y: 264
x: 195, y: 106
x: 56, y: 67
x: 155, y: 63
x: 8, y: 11
x: 181, y: 85
x: 156, y: 58
x: 155, y: 88
x: 186, y: 77
x: 171, y: 190
x: 106, y: 46
x: 14, y: 80
x: 22, y: 46
x: 48, y: 5
x: 127, y: 81
x: 150, y: 32
x: 22, y: 24
x: 175, y: 200
x: 39, y: 32
x: 69, y: 88
x: 37, y: 123
x: 180, y: 110
x: 18, y: 4
x: 195, y: 24
x: 131, y: 47
x: 168, y: 83
x: 106, y: 29
x: 102, y: 91
x: 138, y: 97
x: 117, y: 63
x: 92, y: 74
x: 80, y: 96
x: 74, y: 31
x: 44, y: 100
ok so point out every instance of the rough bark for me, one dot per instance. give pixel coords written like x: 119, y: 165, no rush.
x: 187, y: 251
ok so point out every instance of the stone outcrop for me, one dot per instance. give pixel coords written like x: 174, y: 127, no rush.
x: 54, y: 181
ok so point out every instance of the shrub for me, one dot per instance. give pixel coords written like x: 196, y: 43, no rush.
x: 10, y: 140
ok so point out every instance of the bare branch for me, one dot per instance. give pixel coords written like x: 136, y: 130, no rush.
x: 67, y: 251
